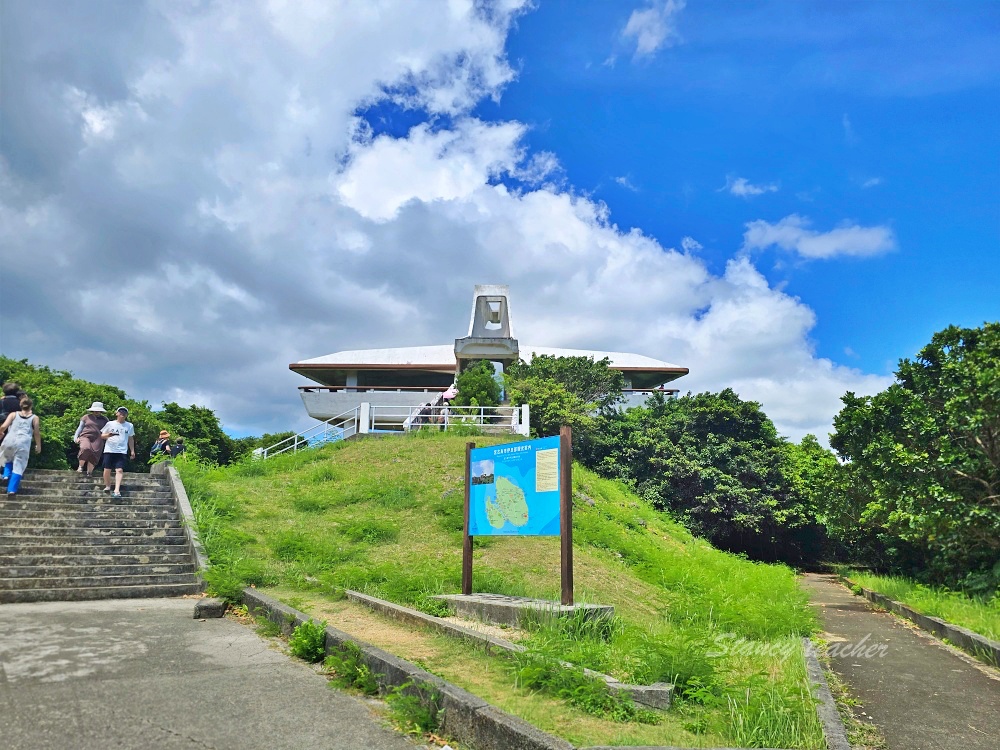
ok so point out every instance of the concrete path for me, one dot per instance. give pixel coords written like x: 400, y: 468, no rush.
x: 919, y: 693
x: 142, y: 673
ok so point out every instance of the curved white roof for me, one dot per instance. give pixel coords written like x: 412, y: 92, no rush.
x: 444, y: 355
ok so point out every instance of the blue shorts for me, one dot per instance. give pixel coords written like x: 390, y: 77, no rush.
x: 114, y: 461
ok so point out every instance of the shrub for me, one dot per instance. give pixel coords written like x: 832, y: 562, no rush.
x: 414, y: 708
x: 347, y: 664
x: 308, y: 641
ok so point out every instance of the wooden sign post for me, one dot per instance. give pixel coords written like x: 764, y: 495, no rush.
x: 564, y: 484
x: 466, y: 539
x: 566, y: 512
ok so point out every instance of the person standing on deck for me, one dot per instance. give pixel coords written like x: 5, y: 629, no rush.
x: 20, y: 428
x: 119, y: 438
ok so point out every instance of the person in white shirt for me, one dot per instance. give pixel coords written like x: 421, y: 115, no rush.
x: 119, y: 438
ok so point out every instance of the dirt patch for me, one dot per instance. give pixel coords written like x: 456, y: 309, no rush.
x: 365, y: 625
x: 507, y: 634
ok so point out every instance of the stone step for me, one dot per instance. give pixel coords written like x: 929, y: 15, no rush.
x: 85, y: 535
x: 66, y: 594
x: 95, y: 499
x: 150, y: 579
x: 14, y: 577
x: 59, y: 496
x: 40, y: 488
x: 62, y: 538
x: 75, y: 480
x: 99, y: 546
x: 87, y: 512
x: 74, y: 474
x: 18, y: 524
x: 58, y: 558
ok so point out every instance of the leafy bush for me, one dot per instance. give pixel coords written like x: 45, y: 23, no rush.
x: 477, y: 385
x: 225, y: 584
x: 347, y: 664
x: 308, y: 641
x: 414, y: 708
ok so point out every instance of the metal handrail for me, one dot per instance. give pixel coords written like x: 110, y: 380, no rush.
x: 373, y: 388
x: 368, y: 418
x: 444, y: 416
x: 336, y: 428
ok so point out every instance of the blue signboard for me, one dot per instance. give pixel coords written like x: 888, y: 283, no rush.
x: 514, y: 489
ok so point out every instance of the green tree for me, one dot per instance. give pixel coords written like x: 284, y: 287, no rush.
x: 551, y: 406
x: 201, y: 431
x: 565, y: 391
x: 926, y: 453
x: 62, y: 399
x: 594, y: 383
x: 477, y: 385
x: 715, y: 462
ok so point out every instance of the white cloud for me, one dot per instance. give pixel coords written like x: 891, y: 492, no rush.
x: 793, y: 233
x: 426, y: 166
x: 247, y: 218
x: 653, y: 27
x: 690, y: 245
x: 745, y: 189
x: 871, y: 182
x: 626, y: 183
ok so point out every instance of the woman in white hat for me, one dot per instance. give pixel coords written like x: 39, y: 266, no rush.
x: 88, y: 437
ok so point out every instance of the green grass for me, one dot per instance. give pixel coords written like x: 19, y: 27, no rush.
x: 385, y: 517
x: 978, y: 615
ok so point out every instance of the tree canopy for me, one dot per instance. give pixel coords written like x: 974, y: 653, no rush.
x: 564, y: 391
x: 926, y: 454
x: 477, y: 385
x: 715, y: 462
x: 62, y: 399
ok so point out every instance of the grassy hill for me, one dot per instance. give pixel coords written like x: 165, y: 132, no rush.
x: 385, y: 517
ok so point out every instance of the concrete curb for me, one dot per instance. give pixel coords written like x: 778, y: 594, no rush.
x: 464, y: 716
x: 981, y: 647
x: 187, y: 515
x: 826, y: 709
x: 656, y: 696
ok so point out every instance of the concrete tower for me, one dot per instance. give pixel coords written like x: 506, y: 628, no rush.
x: 491, y: 333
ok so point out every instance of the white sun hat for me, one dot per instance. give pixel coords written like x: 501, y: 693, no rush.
x: 96, y: 406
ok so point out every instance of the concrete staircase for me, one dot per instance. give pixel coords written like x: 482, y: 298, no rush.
x: 63, y: 539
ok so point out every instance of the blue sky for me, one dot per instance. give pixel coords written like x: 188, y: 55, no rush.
x: 784, y: 197
x: 878, y: 113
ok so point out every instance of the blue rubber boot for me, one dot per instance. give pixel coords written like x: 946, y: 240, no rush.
x: 13, y: 484
x: 8, y: 470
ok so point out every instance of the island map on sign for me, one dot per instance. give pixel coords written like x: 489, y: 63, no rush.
x: 514, y: 488
x: 508, y: 505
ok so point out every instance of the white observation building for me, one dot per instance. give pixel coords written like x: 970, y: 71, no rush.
x: 414, y: 375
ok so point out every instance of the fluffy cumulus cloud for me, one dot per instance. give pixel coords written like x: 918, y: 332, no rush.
x: 793, y: 233
x: 192, y: 201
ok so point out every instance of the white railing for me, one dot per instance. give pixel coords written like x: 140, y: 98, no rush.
x: 337, y: 428
x: 372, y: 418
x: 507, y: 419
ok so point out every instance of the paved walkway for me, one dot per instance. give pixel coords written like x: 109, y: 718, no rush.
x: 919, y: 693
x: 142, y: 673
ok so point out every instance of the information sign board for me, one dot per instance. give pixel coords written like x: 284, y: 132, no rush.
x: 514, y: 489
